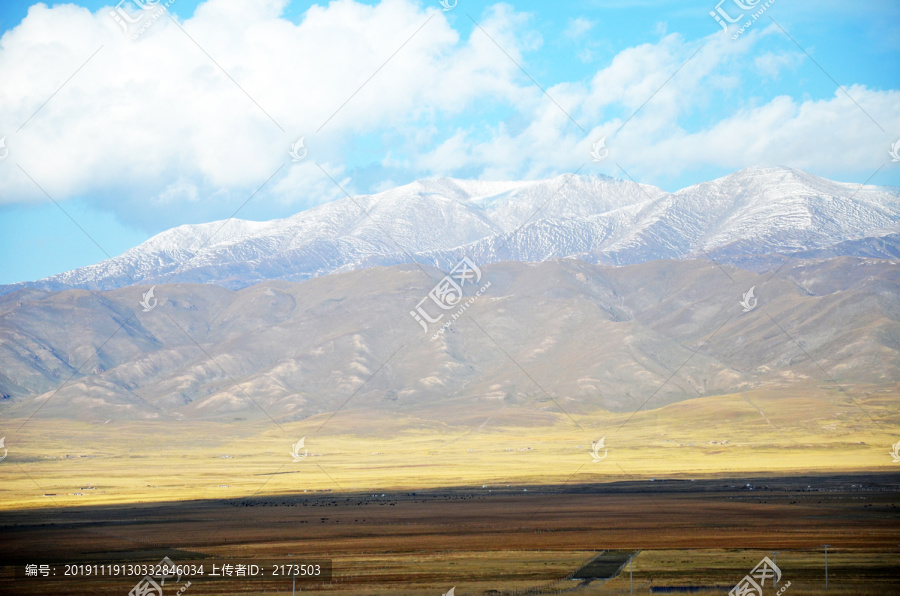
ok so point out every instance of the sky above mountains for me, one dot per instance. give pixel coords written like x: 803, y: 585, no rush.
x: 115, y: 133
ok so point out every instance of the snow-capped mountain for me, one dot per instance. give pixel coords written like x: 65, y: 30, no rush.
x: 751, y: 213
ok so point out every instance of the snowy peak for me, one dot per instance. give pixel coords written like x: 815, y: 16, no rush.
x: 753, y: 212
x: 789, y: 209
x: 766, y: 184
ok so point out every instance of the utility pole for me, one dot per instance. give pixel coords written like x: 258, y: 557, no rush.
x: 631, y: 572
x: 826, y: 564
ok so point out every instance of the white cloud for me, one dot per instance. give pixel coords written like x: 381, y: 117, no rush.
x: 770, y: 65
x: 577, y: 27
x: 154, y: 122
x: 830, y: 136
x: 141, y: 115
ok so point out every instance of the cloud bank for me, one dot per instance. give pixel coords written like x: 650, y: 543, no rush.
x: 203, y: 111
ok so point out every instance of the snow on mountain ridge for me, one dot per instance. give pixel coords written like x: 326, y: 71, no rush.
x: 752, y: 211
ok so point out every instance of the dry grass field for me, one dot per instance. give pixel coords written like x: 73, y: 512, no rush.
x: 512, y: 504
x: 688, y: 534
x: 757, y: 433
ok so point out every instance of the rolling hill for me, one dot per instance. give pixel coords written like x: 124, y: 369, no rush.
x: 559, y: 334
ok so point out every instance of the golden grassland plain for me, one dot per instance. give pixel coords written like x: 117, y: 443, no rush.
x: 53, y: 463
x: 512, y: 503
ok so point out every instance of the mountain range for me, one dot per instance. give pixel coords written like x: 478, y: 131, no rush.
x: 559, y: 334
x: 745, y: 218
x: 595, y: 294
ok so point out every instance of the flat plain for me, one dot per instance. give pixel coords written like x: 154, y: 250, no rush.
x: 707, y: 533
x: 702, y: 489
x: 756, y: 433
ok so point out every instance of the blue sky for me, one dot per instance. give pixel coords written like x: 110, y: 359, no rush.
x: 113, y: 138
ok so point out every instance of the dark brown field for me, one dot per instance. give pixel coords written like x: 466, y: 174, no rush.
x: 704, y: 532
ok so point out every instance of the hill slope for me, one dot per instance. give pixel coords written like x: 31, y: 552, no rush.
x: 590, y: 336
